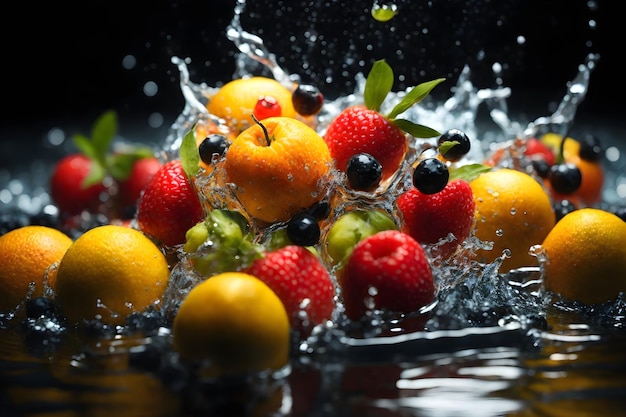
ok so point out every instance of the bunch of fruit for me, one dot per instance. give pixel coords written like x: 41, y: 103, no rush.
x: 282, y: 230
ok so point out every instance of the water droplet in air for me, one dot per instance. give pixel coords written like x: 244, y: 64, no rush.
x: 383, y: 12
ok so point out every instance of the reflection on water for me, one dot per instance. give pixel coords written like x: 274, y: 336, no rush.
x: 576, y: 368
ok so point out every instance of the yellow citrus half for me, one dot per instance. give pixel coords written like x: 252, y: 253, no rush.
x: 26, y: 254
x: 586, y: 256
x: 514, y: 212
x: 275, y: 180
x: 235, y: 321
x: 235, y: 100
x: 110, y: 272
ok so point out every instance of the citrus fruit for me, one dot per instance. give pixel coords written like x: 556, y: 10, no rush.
x: 27, y: 252
x: 109, y: 272
x: 513, y: 211
x: 277, y: 168
x: 235, y: 321
x: 235, y: 101
x: 586, y: 256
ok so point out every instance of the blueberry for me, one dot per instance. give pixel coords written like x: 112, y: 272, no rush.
x: 307, y: 99
x: 459, y: 149
x: 364, y: 172
x: 542, y: 167
x: 214, y: 144
x: 303, y: 230
x: 563, y: 207
x: 590, y: 148
x: 431, y: 176
x: 565, y: 178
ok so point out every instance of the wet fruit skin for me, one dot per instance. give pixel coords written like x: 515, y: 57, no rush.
x: 586, y: 256
x: 278, y: 179
x: 67, y: 189
x: 388, y: 270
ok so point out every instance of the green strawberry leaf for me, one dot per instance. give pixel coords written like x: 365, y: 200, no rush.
x: 416, y: 130
x: 102, y: 134
x: 468, y: 172
x: 121, y: 164
x: 417, y: 94
x: 189, y: 154
x: 447, y: 145
x: 85, y: 146
x: 377, y: 85
x: 96, y: 174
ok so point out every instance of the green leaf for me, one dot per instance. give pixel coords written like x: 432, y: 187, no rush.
x: 84, y: 145
x: 121, y: 164
x: 468, y: 172
x: 189, y: 154
x: 447, y: 145
x: 96, y: 174
x: 415, y: 95
x: 416, y: 130
x: 377, y: 85
x: 103, y: 132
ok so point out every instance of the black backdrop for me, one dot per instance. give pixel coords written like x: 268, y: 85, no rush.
x: 63, y: 62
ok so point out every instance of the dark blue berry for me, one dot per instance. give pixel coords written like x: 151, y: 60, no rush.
x: 542, y: 167
x: 430, y: 176
x: 364, y: 172
x: 459, y: 149
x: 563, y: 207
x: 565, y: 178
x: 307, y: 100
x: 214, y: 144
x: 303, y: 230
x: 319, y: 210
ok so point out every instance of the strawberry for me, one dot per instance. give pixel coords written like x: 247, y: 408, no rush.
x: 428, y: 218
x: 169, y: 205
x: 142, y: 170
x: 69, y: 186
x: 363, y: 129
x: 301, y: 281
x: 536, y: 149
x: 387, y: 271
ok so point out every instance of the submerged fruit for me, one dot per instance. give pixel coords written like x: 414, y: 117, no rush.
x: 586, y: 256
x: 235, y: 321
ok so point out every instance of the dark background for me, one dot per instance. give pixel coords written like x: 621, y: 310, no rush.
x: 62, y: 62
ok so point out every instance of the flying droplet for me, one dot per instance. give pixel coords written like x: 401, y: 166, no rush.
x: 384, y: 12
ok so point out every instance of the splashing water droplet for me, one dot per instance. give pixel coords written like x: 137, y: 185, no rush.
x: 384, y: 12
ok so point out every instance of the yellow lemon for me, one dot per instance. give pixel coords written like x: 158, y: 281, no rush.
x: 236, y: 321
x: 514, y: 212
x: 26, y: 255
x: 586, y: 256
x: 235, y: 101
x: 110, y: 272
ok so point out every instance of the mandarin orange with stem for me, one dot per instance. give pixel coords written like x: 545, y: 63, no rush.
x: 278, y: 167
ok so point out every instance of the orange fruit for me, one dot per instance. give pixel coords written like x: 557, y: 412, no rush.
x: 586, y: 256
x: 235, y: 100
x: 275, y: 180
x: 110, y: 272
x: 27, y: 253
x: 236, y: 321
x: 592, y: 172
x: 514, y: 212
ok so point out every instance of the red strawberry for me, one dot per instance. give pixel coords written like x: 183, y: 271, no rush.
x: 363, y: 129
x: 428, y: 218
x: 537, y: 149
x: 169, y: 205
x: 388, y: 270
x: 69, y: 189
x: 296, y: 274
x: 142, y: 171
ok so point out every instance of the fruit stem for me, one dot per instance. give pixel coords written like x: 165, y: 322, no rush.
x: 561, y: 155
x: 267, y: 136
